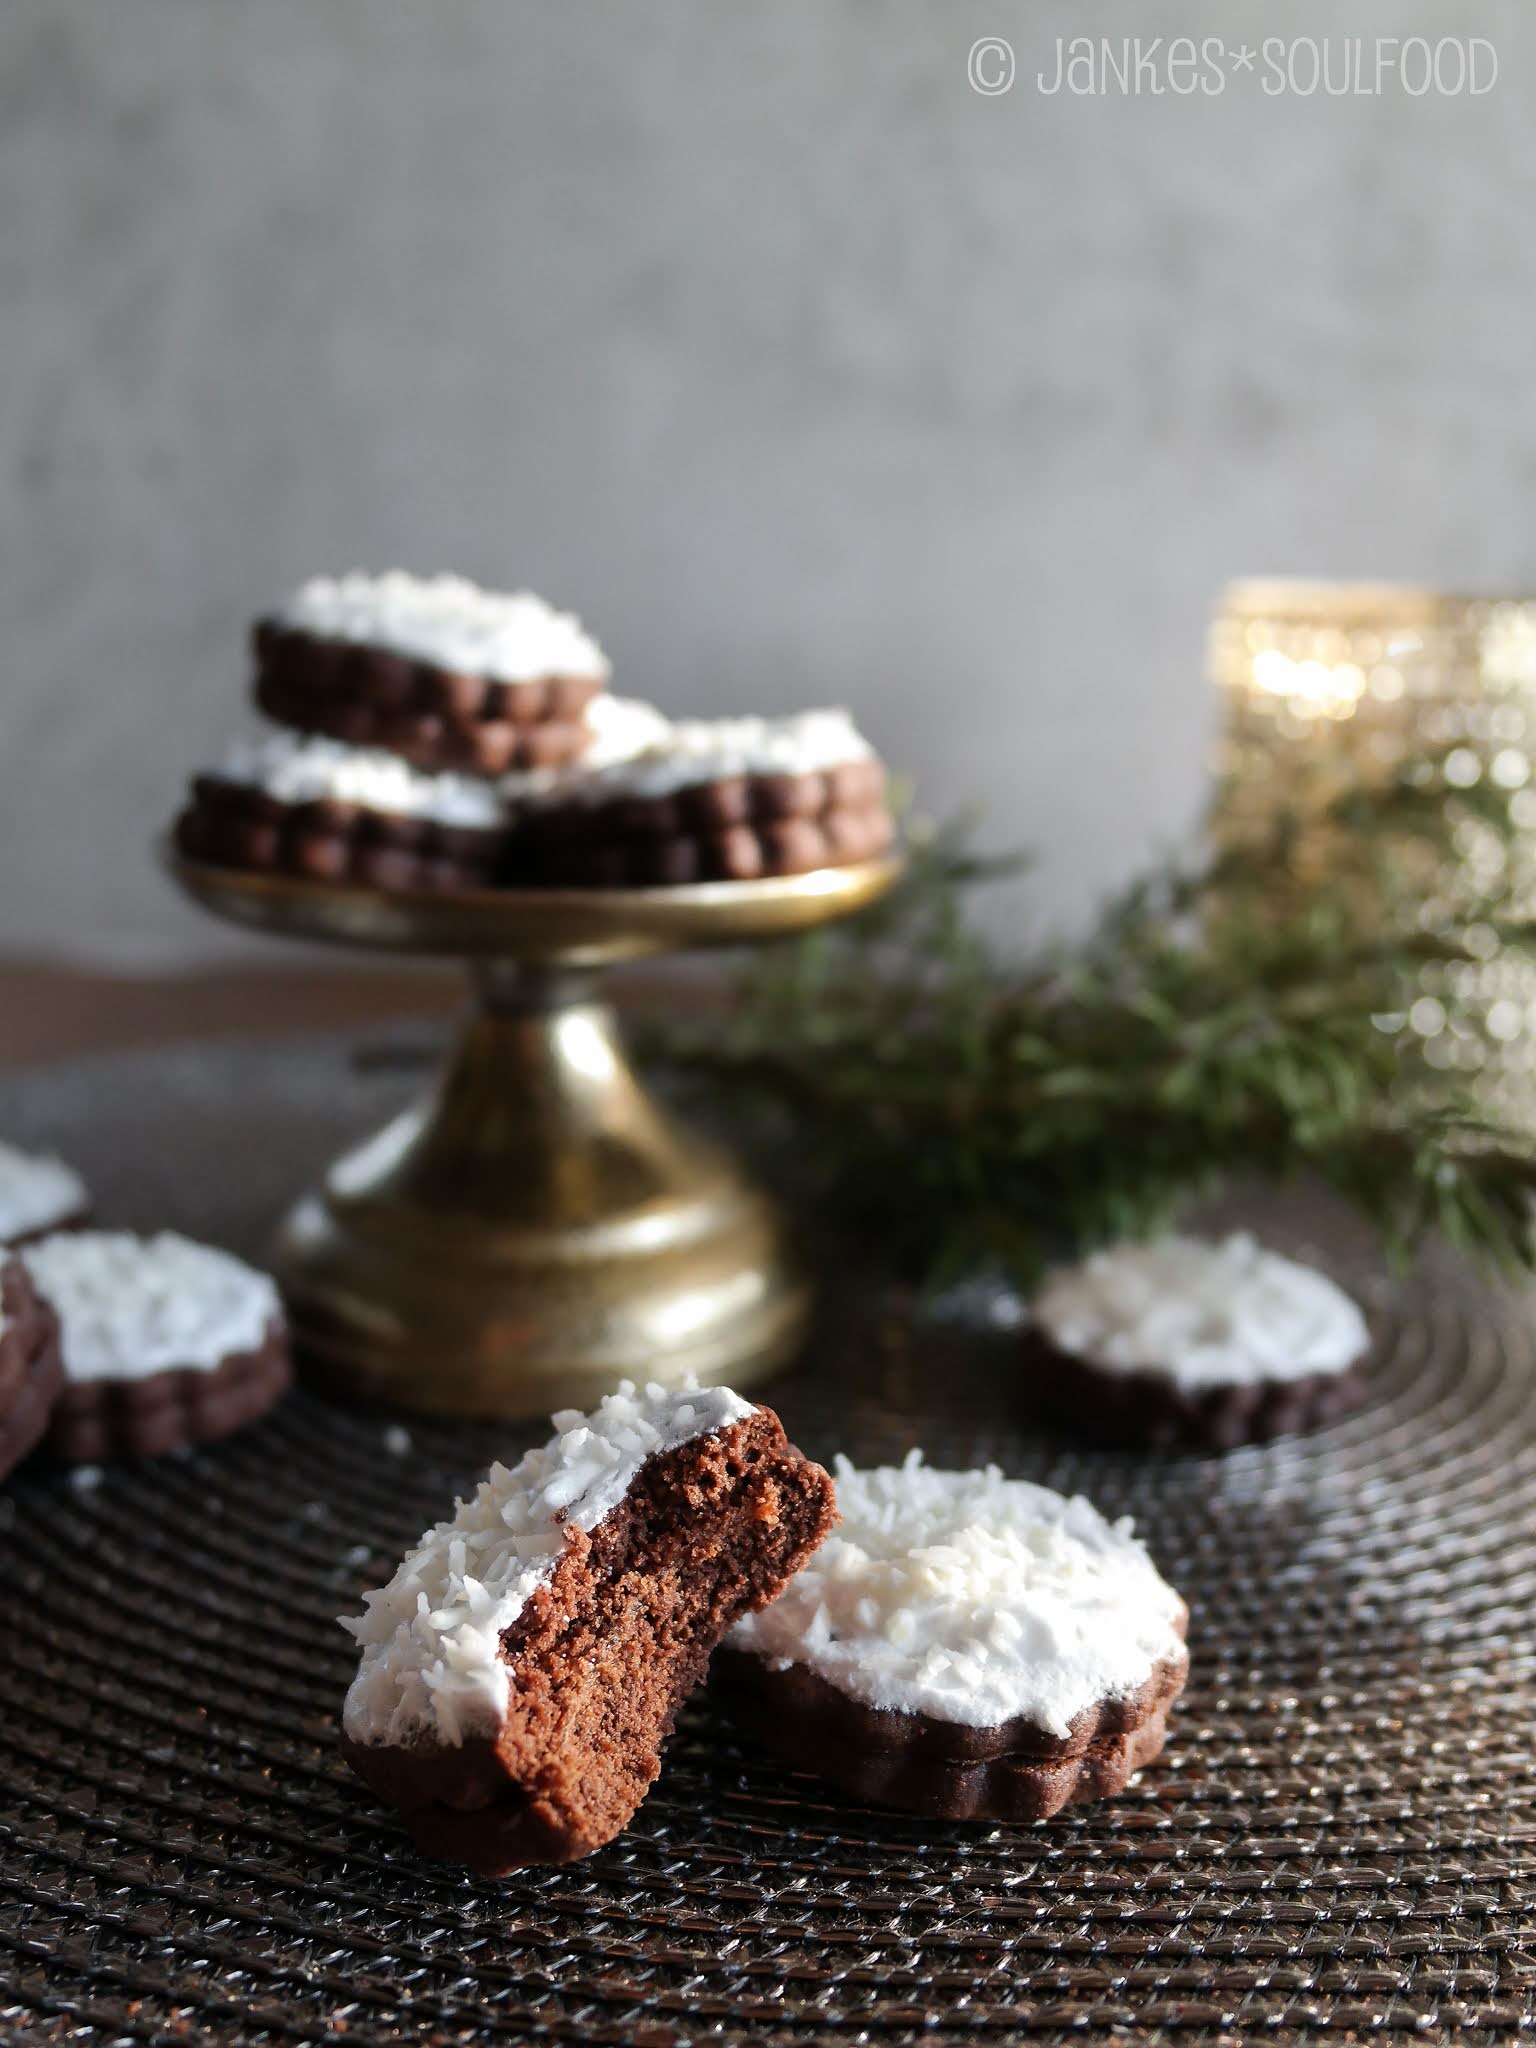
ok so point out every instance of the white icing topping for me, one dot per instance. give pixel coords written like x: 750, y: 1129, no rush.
x: 449, y: 622
x: 131, y: 1306
x: 1201, y: 1314
x: 36, y: 1192
x: 706, y: 749
x: 971, y: 1598
x: 431, y: 1667
x: 296, y: 769
x: 621, y: 728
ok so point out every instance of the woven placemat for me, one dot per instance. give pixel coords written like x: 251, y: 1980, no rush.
x: 1339, y: 1843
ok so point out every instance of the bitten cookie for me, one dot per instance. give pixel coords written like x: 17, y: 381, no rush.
x: 284, y: 804
x: 38, y: 1194
x: 1180, y: 1341
x: 522, y: 1669
x: 31, y: 1369
x: 435, y: 669
x: 964, y: 1646
x: 165, y: 1342
x: 715, y: 800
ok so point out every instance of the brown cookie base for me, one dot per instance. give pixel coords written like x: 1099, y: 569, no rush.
x: 31, y: 1368
x: 1014, y: 1771
x: 1147, y: 1407
x: 232, y: 826
x: 430, y: 716
x: 736, y: 828
x: 607, y: 1651
x: 98, y: 1420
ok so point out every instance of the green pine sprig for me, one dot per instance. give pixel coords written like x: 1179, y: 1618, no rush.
x: 1244, y: 1016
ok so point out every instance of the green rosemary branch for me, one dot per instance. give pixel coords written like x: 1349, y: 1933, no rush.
x: 1245, y: 1016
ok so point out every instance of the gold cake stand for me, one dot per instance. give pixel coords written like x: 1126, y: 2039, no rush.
x: 539, y: 1227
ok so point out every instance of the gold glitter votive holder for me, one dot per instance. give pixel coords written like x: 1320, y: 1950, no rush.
x: 1332, y: 686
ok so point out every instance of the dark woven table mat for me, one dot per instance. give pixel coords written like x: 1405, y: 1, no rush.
x: 1339, y: 1843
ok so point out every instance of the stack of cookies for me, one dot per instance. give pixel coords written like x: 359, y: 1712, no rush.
x: 430, y: 735
x: 399, y: 704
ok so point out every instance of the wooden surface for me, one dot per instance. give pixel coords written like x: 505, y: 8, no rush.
x: 50, y: 1012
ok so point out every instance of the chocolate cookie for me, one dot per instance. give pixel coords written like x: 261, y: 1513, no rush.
x: 1180, y: 1342
x: 31, y: 1369
x: 724, y: 800
x: 522, y: 1670
x: 165, y: 1343
x: 964, y: 1646
x: 97, y: 1420
x: 38, y: 1194
x: 231, y: 825
x: 349, y: 710
x: 922, y: 1765
x: 436, y: 670
x: 1127, y: 1407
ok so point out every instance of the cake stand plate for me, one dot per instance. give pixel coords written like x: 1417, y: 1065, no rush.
x: 539, y: 1227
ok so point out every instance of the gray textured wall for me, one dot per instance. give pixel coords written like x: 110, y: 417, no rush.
x: 802, y: 370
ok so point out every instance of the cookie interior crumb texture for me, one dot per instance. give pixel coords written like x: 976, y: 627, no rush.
x: 448, y: 621
x: 37, y: 1193
x: 1201, y: 1314
x: 130, y: 1307
x: 431, y: 1637
x: 974, y: 1599
x: 523, y: 1668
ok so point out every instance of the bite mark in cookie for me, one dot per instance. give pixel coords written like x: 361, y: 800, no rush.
x: 165, y: 1343
x: 31, y: 1369
x: 1184, y: 1341
x: 523, y: 1668
x: 964, y: 1646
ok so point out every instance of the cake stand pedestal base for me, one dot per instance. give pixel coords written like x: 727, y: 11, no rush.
x: 539, y: 1228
